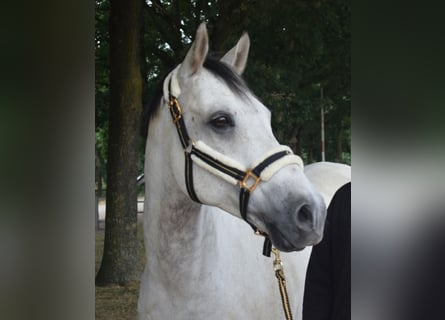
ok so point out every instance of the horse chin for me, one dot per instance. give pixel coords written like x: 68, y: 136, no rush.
x: 283, y: 243
x: 288, y: 249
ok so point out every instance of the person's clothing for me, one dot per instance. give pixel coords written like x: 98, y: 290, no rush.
x: 327, y: 293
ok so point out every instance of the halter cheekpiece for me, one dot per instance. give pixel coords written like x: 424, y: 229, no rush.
x: 247, y: 179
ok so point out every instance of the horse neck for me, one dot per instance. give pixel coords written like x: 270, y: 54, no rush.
x: 177, y: 231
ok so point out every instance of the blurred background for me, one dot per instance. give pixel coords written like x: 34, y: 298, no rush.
x: 49, y: 143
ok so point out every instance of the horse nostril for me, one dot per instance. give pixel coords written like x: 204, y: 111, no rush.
x: 304, y: 215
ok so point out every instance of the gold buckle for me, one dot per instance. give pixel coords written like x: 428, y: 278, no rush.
x: 277, y: 263
x: 247, y: 182
x: 177, y: 114
x: 260, y: 233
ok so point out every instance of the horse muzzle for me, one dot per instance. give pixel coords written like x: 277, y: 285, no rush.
x: 292, y: 219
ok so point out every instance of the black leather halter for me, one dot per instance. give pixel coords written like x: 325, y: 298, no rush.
x: 246, y: 180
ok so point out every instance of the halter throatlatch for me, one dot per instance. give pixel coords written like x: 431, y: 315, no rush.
x: 247, y: 179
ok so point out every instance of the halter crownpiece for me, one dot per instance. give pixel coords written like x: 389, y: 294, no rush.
x: 226, y: 168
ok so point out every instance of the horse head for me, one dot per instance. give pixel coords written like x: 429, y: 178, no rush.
x: 227, y: 123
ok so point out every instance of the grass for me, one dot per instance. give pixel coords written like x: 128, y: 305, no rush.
x: 115, y: 302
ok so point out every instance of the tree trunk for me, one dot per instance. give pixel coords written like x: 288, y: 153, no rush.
x: 121, y: 259
x: 99, y: 176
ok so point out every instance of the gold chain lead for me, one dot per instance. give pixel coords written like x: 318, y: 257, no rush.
x: 279, y: 273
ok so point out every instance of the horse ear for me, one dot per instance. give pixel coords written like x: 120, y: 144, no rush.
x: 237, y: 56
x: 196, y: 55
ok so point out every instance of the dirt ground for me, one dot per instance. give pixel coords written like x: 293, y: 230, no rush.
x: 114, y: 302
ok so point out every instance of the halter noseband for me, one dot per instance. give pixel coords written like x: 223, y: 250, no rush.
x: 222, y: 166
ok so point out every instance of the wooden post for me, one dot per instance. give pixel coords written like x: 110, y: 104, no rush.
x: 323, y: 158
x: 96, y: 215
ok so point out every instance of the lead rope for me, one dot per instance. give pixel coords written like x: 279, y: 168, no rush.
x: 279, y: 273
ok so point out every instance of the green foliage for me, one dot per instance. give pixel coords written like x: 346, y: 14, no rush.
x: 296, y: 47
x: 102, y: 70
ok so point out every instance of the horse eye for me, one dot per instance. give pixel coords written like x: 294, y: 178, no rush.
x: 221, y: 122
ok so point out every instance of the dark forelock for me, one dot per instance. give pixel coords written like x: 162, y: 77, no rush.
x: 212, y: 64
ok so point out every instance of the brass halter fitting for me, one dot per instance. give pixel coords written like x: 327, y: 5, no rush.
x: 250, y: 181
x: 277, y: 263
x: 175, y: 109
x: 260, y: 233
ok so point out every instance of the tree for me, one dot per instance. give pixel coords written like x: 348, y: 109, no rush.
x: 120, y: 262
x: 296, y: 47
x: 102, y: 98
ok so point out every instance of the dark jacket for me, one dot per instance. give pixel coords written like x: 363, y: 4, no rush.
x: 328, y: 281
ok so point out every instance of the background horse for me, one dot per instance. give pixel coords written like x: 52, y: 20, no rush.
x: 202, y: 259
